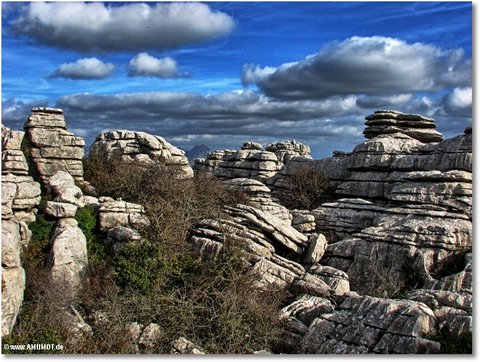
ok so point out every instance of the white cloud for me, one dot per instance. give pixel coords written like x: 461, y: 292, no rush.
x: 86, y: 68
x: 365, y: 65
x: 144, y: 64
x: 253, y: 73
x: 459, y: 102
x: 89, y: 27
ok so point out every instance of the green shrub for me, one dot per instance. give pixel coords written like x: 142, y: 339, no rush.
x: 39, y: 244
x: 87, y: 220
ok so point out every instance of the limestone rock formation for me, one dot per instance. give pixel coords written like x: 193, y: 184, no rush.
x: 363, y: 324
x: 413, y: 125
x: 287, y: 150
x: 13, y: 274
x: 51, y: 147
x: 263, y: 238
x: 20, y: 196
x: 120, y: 221
x: 251, y: 161
x: 260, y: 197
x: 67, y: 259
x: 142, y: 148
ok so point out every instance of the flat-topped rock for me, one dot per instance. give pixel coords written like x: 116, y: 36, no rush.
x: 413, y: 125
x: 51, y: 147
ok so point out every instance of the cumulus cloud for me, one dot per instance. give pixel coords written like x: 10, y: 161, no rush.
x: 89, y: 27
x: 86, y: 68
x: 364, y: 65
x: 458, y: 102
x: 144, y: 64
x: 253, y: 73
x: 15, y: 112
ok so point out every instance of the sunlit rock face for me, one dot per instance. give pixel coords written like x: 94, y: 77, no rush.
x: 141, y: 148
x: 51, y: 146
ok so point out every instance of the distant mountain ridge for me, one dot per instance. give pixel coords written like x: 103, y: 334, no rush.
x: 197, y: 151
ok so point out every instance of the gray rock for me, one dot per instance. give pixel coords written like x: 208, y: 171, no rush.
x: 60, y: 209
x: 141, y: 148
x: 67, y: 259
x: 13, y: 285
x: 51, y: 147
x: 150, y: 336
x: 184, y: 346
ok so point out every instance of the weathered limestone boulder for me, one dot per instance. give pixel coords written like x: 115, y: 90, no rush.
x: 413, y: 125
x: 287, y: 150
x: 260, y: 197
x: 13, y: 274
x: 303, y: 221
x: 20, y: 195
x: 261, y: 239
x: 206, y: 166
x: 363, y: 324
x: 252, y: 161
x: 316, y: 248
x: 67, y: 259
x: 51, y: 147
x: 13, y: 159
x: 150, y: 336
x: 133, y: 331
x: 248, y: 163
x: 113, y: 213
x: 284, y: 236
x: 142, y: 148
x: 184, y: 346
x: 345, y: 217
x: 13, y: 286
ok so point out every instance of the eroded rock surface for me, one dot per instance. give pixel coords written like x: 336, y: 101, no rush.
x: 51, y: 147
x: 141, y: 148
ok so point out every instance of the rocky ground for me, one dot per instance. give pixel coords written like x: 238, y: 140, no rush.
x: 385, y: 266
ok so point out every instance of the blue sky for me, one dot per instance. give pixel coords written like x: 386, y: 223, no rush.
x: 221, y: 74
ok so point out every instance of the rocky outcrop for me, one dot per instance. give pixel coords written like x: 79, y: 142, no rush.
x: 20, y: 196
x: 120, y: 221
x: 141, y: 148
x: 67, y: 259
x: 184, y: 346
x: 260, y: 197
x: 413, y: 125
x: 263, y: 238
x: 363, y: 324
x: 51, y: 147
x: 13, y: 274
x: 287, y: 150
x: 251, y: 161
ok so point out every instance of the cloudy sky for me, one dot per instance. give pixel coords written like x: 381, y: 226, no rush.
x: 221, y: 74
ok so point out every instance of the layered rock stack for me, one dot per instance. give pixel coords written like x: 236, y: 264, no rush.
x: 415, y: 126
x: 264, y: 238
x: 251, y: 161
x: 51, y: 147
x: 20, y: 196
x: 67, y: 259
x: 141, y: 148
x: 287, y: 150
x: 260, y: 197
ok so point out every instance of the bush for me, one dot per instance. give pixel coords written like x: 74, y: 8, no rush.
x: 160, y: 279
x: 306, y: 189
